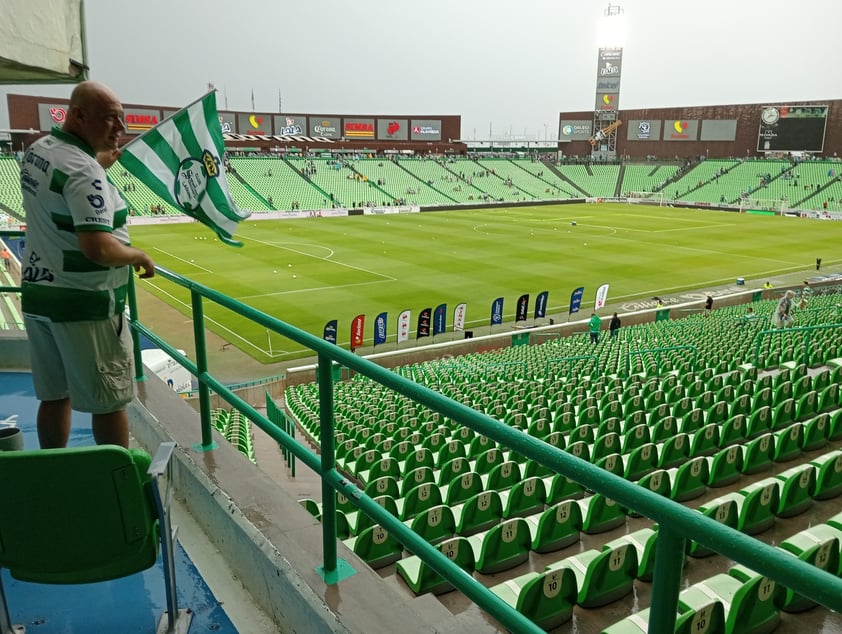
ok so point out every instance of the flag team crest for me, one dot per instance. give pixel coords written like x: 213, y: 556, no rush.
x: 180, y: 160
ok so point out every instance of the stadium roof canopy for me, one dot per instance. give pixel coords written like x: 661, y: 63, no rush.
x: 42, y: 42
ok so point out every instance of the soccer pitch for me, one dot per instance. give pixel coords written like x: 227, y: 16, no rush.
x: 309, y: 271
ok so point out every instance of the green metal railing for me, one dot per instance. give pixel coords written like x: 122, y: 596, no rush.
x: 807, y: 330
x: 676, y: 522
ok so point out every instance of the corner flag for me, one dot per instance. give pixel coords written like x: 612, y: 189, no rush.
x: 180, y: 159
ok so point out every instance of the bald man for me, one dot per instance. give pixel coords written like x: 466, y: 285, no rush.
x: 76, y: 271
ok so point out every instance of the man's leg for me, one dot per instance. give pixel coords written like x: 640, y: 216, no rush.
x: 111, y: 429
x: 53, y: 423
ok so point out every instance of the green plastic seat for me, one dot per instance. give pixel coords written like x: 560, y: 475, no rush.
x: 725, y: 466
x: 461, y: 488
x: 422, y: 579
x: 635, y: 437
x: 610, y: 425
x: 834, y: 431
x: 359, y: 521
x: 689, y: 481
x: 613, y: 463
x: 829, y: 398
x: 604, y: 445
x: 723, y: 510
x: 828, y: 475
x: 556, y: 527
x: 796, y: 487
x: 502, y: 547
x: 448, y: 451
x: 816, y: 431
x: 559, y: 487
x: 582, y: 433
x: 478, y: 445
x: 749, y: 605
x: 367, y: 470
x: 658, y: 481
x: 526, y: 497
x: 759, y: 422
x: 503, y: 476
x: 819, y: 546
x: 641, y: 460
x: 421, y: 457
x: 434, y: 524
x: 375, y: 546
x: 580, y: 449
x: 674, y: 451
x: 807, y: 405
x: 88, y: 514
x: 787, y: 443
x: 644, y: 542
x: 705, y: 441
x: 756, y: 505
x: 699, y: 613
x: 708, y: 618
x: 757, y: 455
x: 600, y: 514
x: 783, y: 414
x: 418, y: 476
x: 478, y: 513
x: 452, y: 468
x: 717, y: 413
x: 663, y: 429
x: 547, y: 598
x: 418, y: 499
x: 384, y: 485
x: 602, y: 577
x: 488, y: 460
x: 692, y: 420
x: 733, y: 431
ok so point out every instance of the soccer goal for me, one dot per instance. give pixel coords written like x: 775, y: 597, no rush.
x: 646, y: 198
x: 775, y: 206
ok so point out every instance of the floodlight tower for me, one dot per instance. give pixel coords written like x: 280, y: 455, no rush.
x: 611, y: 36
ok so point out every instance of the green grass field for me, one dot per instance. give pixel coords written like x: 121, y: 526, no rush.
x: 308, y: 271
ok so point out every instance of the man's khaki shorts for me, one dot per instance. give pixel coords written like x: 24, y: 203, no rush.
x: 88, y: 361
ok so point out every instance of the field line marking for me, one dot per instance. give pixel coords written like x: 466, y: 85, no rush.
x: 213, y: 321
x: 172, y: 255
x: 309, y: 255
x: 315, y: 288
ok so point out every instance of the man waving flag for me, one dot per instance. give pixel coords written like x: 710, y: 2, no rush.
x: 180, y: 159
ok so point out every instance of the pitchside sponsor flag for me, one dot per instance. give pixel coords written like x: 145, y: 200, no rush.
x: 541, y: 305
x: 403, y: 326
x: 424, y: 323
x: 357, y: 330
x: 601, y: 297
x: 380, y: 329
x: 576, y: 299
x: 497, y: 311
x: 439, y: 319
x: 522, y: 308
x: 180, y: 159
x: 330, y: 331
x: 459, y: 317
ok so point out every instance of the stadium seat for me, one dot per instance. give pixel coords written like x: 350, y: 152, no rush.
x: 674, y: 451
x: 706, y: 618
x: 705, y: 441
x: 787, y: 443
x: 640, y: 461
x: 488, y: 460
x: 828, y: 475
x: 526, y: 497
x: 819, y: 546
x: 757, y: 455
x: 375, y: 546
x: 749, y: 605
x: 816, y: 431
x: 478, y: 513
x: 422, y: 579
x: 601, y: 576
x: 759, y: 422
x: 724, y: 510
x: 502, y: 547
x: 689, y: 480
x: 644, y: 542
x: 416, y: 477
x: 559, y: 487
x: 503, y: 476
x: 725, y: 466
x: 434, y: 524
x: 547, y: 598
x: 658, y: 482
x: 600, y: 514
x: 756, y: 506
x: 796, y: 487
x: 418, y: 499
x: 384, y: 485
x: 556, y: 527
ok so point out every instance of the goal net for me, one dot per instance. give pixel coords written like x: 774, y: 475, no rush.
x: 646, y: 198
x: 763, y: 205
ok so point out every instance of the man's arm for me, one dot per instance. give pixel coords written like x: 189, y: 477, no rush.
x: 104, y: 249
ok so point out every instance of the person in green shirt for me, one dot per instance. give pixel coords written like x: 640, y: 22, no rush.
x: 593, y: 327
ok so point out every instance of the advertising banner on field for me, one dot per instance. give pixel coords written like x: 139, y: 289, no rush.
x: 357, y: 332
x: 522, y: 308
x: 576, y: 299
x: 290, y: 125
x: 380, y: 329
x: 601, y: 297
x: 403, y: 326
x: 497, y: 311
x: 439, y: 319
x: 459, y: 316
x: 424, y: 323
x: 330, y: 331
x: 541, y: 304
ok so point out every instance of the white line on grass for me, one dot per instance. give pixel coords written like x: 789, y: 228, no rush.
x: 309, y: 255
x: 315, y: 288
x: 213, y: 321
x: 190, y: 262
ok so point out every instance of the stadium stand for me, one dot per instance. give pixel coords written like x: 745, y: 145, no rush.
x: 596, y: 180
x: 400, y: 183
x: 261, y: 179
x: 10, y: 196
x: 646, y: 177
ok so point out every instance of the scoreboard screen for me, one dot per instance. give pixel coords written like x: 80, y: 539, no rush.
x: 792, y: 128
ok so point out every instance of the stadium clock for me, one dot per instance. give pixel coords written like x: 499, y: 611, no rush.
x: 770, y: 116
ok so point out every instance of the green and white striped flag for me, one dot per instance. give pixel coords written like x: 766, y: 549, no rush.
x: 180, y: 159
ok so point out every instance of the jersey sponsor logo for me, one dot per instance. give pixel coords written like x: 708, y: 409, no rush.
x: 34, y: 273
x: 96, y: 201
x: 97, y: 184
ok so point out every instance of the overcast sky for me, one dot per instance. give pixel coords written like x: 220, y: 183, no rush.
x: 509, y: 66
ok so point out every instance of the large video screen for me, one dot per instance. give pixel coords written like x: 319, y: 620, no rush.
x: 792, y: 128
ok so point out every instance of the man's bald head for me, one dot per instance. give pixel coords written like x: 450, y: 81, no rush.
x: 95, y: 115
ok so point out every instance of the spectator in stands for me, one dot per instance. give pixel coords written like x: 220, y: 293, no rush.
x: 79, y: 341
x: 708, y: 305
x: 806, y: 294
x: 614, y: 325
x: 768, y: 284
x: 7, y: 257
x: 594, y: 325
x: 782, y: 317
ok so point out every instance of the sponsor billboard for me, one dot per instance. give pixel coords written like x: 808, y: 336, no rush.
x: 643, y: 130
x: 425, y: 129
x: 608, y: 84
x: 609, y: 63
x: 228, y: 122
x: 139, y: 120
x: 607, y: 101
x: 392, y: 129
x: 575, y: 129
x: 50, y: 114
x: 327, y: 127
x: 254, y: 123
x: 681, y: 129
x: 358, y: 129
x: 290, y: 125
x: 718, y: 130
